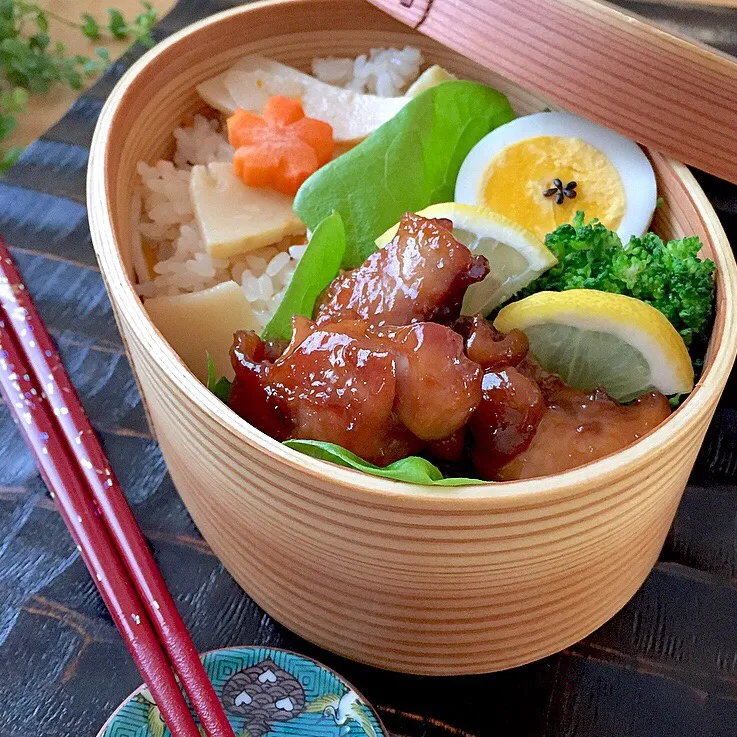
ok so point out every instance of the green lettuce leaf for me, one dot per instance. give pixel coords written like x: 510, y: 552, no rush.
x: 316, y: 269
x: 410, y: 162
x: 412, y: 469
x: 219, y: 387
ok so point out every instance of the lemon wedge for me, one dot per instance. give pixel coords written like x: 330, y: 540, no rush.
x: 516, y: 256
x: 597, y: 339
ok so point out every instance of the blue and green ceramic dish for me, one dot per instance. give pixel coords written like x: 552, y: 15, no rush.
x: 265, y: 693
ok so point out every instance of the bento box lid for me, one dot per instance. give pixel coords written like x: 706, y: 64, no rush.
x: 664, y: 91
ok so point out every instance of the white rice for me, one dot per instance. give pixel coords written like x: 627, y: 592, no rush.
x: 163, y: 210
x: 167, y: 225
x: 383, y: 72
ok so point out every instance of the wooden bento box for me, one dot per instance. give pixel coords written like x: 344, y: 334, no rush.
x: 428, y: 580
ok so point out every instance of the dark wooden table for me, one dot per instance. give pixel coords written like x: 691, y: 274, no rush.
x: 666, y: 666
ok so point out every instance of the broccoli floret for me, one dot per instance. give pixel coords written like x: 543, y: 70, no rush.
x: 668, y: 276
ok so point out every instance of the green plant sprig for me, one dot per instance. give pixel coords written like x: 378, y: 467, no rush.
x: 138, y: 30
x: 31, y: 62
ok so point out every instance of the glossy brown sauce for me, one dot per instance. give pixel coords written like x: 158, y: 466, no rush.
x: 578, y: 427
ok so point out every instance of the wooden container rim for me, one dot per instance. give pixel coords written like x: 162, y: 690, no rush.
x: 723, y: 344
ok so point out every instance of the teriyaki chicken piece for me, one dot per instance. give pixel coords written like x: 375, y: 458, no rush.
x: 420, y: 275
x: 380, y: 393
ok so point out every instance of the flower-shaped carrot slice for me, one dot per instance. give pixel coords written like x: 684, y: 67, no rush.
x: 280, y: 148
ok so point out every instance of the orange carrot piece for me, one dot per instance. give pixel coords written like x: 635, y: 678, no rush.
x: 279, y: 165
x: 318, y: 134
x: 244, y: 127
x: 284, y: 111
x: 281, y: 148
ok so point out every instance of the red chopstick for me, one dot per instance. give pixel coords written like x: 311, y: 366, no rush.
x: 23, y: 394
x: 75, y: 467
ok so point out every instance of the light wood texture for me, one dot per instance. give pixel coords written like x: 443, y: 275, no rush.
x: 427, y: 580
x: 665, y: 92
x: 45, y: 110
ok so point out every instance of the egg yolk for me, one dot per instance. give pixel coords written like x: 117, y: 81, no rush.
x: 517, y: 177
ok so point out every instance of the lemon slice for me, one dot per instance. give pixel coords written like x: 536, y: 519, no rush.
x: 516, y: 256
x: 597, y: 339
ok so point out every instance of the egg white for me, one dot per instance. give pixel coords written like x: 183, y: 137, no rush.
x: 635, y: 170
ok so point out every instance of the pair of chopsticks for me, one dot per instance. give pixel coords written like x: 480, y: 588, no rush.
x: 69, y: 455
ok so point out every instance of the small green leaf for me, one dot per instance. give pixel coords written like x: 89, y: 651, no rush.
x: 91, y: 67
x: 90, y: 27
x: 210, y: 372
x: 219, y: 387
x: 676, y: 400
x: 143, y: 23
x: 14, y: 46
x: 413, y: 469
x: 39, y: 42
x: 36, y: 84
x: 20, y: 98
x: 71, y: 76
x: 146, y: 39
x: 42, y: 22
x: 7, y: 125
x: 117, y: 25
x: 9, y: 157
x: 316, y: 269
x: 222, y: 389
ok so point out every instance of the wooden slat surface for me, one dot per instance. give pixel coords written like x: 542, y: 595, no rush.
x: 665, y: 92
x: 665, y: 667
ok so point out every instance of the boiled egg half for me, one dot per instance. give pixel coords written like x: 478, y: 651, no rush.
x: 539, y: 170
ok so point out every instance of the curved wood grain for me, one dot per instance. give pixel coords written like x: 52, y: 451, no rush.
x: 664, y: 91
x: 421, y: 579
